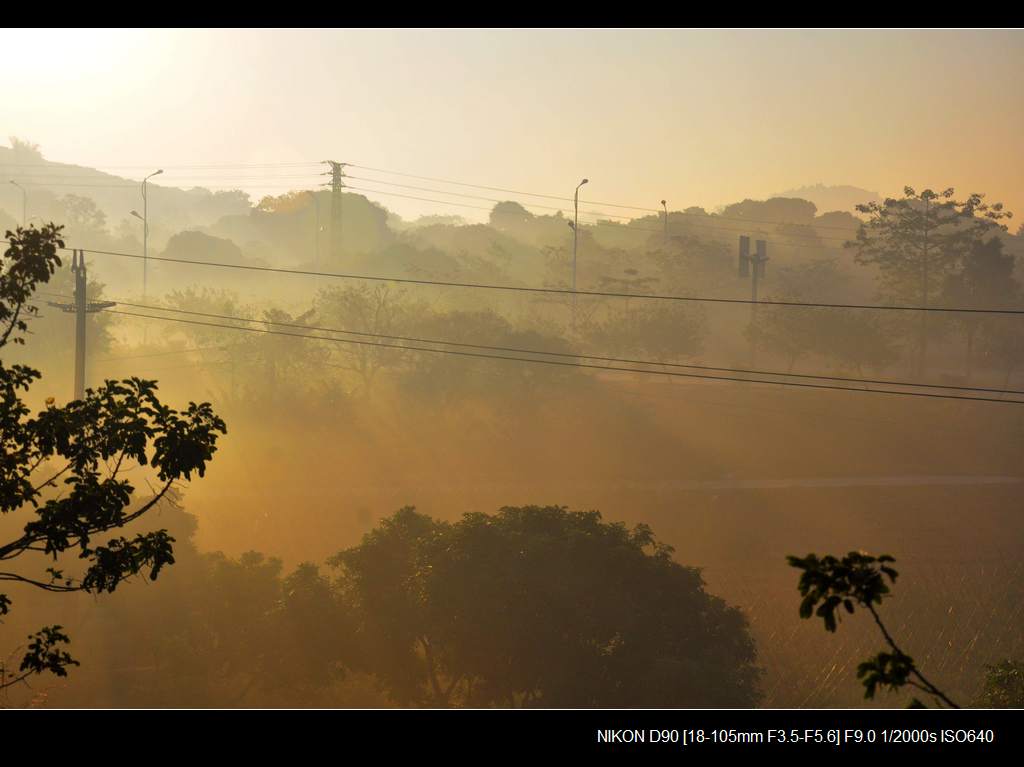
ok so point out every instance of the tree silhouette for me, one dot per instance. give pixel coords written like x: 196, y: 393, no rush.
x: 63, y: 468
x: 858, y: 580
x: 986, y: 280
x: 540, y: 606
x: 82, y: 215
x: 918, y: 240
x: 510, y: 215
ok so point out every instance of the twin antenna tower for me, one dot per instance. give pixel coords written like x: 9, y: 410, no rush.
x: 753, y: 267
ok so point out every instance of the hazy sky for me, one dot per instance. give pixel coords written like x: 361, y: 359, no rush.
x: 698, y: 117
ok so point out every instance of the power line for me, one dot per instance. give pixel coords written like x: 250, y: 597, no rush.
x: 90, y: 169
x: 563, y: 363
x: 190, y: 366
x: 595, y: 213
x: 455, y: 194
x: 625, y: 227
x: 451, y: 182
x: 85, y: 186
x: 557, y: 291
x: 467, y: 196
x: 97, y: 175
x: 519, y: 350
x: 229, y: 187
x: 622, y: 226
x: 162, y: 354
x: 190, y: 179
x: 590, y: 202
x: 168, y: 177
x: 714, y: 217
x: 46, y: 181
x: 887, y: 382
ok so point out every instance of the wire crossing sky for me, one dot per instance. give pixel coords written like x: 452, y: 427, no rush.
x: 565, y: 363
x: 553, y: 290
x: 697, y: 117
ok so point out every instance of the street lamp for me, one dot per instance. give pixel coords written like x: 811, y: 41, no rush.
x: 145, y: 232
x: 24, y: 200
x: 575, y: 237
x: 575, y: 230
x: 665, y: 206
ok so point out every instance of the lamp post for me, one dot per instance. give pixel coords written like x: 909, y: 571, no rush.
x: 145, y: 232
x: 665, y: 206
x: 575, y: 239
x: 145, y: 328
x: 24, y: 200
x: 575, y: 229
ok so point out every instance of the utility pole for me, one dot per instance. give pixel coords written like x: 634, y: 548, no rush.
x: 665, y: 206
x: 759, y: 260
x: 337, y: 174
x: 81, y: 307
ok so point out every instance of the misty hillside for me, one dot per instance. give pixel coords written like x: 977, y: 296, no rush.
x: 115, y: 196
x: 841, y: 197
x: 96, y: 208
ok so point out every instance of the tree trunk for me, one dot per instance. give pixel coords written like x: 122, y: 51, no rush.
x: 439, y: 696
x: 923, y: 346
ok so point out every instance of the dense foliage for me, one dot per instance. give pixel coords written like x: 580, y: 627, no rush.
x: 540, y: 606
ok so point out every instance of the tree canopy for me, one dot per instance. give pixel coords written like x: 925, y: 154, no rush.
x: 540, y: 606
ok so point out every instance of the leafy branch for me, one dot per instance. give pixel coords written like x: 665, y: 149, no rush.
x: 859, y: 580
x: 79, y: 449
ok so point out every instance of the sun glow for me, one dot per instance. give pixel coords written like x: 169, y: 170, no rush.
x: 96, y: 62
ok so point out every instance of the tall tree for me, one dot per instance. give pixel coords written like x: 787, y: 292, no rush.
x: 918, y: 240
x: 378, y: 310
x: 82, y: 216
